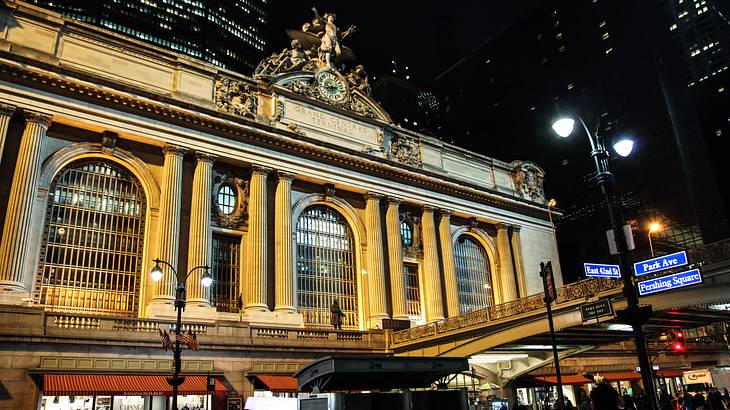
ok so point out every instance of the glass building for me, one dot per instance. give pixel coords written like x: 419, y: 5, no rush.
x: 227, y: 33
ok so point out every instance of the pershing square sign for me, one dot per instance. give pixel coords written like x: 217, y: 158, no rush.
x: 669, y: 282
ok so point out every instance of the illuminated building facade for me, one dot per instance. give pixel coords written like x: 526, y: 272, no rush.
x: 292, y: 185
x: 227, y: 33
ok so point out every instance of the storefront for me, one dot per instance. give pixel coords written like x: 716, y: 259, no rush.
x: 127, y: 392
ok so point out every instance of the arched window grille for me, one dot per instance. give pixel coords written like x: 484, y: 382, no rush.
x: 325, y: 266
x: 226, y: 199
x: 406, y: 232
x: 225, y: 290
x: 91, y: 254
x: 473, y: 278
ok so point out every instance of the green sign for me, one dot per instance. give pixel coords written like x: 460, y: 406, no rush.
x: 596, y: 310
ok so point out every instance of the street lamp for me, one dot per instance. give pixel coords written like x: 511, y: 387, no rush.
x: 634, y: 314
x: 653, y: 227
x: 180, y: 282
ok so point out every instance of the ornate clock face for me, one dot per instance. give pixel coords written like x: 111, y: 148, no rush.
x: 331, y: 86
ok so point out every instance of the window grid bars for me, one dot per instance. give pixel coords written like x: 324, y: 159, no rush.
x: 226, y: 273
x: 474, y: 282
x: 325, y: 267
x: 412, y: 289
x: 93, y: 241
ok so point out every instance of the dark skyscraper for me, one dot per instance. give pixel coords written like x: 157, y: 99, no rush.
x: 623, y: 73
x: 226, y: 33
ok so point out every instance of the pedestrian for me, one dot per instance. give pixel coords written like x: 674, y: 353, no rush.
x: 715, y: 400
x: 604, y: 397
x: 628, y: 402
x: 336, y: 315
x: 687, y: 402
x: 569, y: 404
x: 698, y: 401
x: 585, y: 403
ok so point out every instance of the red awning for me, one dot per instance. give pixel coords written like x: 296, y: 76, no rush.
x: 670, y: 373
x: 619, y: 376
x: 122, y: 385
x: 566, y: 379
x: 278, y: 384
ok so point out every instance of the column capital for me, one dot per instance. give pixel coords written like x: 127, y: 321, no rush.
x: 35, y: 117
x: 174, y: 150
x: 201, y: 156
x: 502, y: 225
x: 446, y: 213
x: 428, y: 208
x: 516, y: 228
x: 372, y: 196
x: 285, y: 176
x: 259, y: 169
x: 7, y: 109
x: 394, y: 200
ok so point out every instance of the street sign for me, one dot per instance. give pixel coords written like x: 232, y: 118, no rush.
x: 669, y: 282
x: 628, y: 234
x: 595, y: 310
x: 599, y: 270
x: 548, y: 281
x: 660, y: 263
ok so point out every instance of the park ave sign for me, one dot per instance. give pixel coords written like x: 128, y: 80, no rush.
x: 660, y: 263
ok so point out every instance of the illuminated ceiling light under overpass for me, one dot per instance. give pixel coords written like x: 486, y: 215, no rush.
x: 494, y: 358
x: 620, y: 327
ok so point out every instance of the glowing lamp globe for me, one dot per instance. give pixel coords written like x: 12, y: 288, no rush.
x: 623, y: 146
x: 156, y: 273
x: 564, y: 126
x: 206, y: 280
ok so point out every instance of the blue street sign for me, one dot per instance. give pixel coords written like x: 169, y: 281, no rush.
x: 660, y: 263
x: 669, y: 282
x: 598, y: 270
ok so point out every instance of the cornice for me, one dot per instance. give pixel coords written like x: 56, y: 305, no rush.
x: 172, y: 111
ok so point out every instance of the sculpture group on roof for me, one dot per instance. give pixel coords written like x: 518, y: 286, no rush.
x: 318, y: 45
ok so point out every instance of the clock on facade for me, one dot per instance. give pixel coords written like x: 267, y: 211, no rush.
x: 331, y: 85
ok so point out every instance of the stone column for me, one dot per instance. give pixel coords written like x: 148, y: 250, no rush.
x: 200, y: 241
x: 6, y: 112
x: 395, y: 256
x: 283, y: 262
x: 376, y: 268
x: 17, y: 228
x: 519, y: 263
x: 169, y: 222
x: 432, y: 272
x: 254, y: 288
x: 506, y: 273
x: 447, y: 255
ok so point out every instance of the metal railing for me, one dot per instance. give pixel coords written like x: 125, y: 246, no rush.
x: 574, y: 291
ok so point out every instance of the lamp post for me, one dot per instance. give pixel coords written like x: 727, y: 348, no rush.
x: 180, y: 300
x: 653, y: 227
x: 634, y: 314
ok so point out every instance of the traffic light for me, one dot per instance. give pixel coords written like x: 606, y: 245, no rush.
x: 678, y: 344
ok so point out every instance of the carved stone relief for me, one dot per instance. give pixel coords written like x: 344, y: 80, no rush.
x: 415, y: 248
x: 234, y: 97
x: 528, y: 179
x: 239, y: 216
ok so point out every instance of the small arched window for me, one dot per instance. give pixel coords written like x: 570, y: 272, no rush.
x: 226, y: 199
x: 406, y: 232
x: 474, y: 280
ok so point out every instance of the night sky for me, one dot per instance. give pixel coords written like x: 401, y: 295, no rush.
x: 427, y: 36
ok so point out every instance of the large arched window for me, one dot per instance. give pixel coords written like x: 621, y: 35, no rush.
x: 325, y: 266
x: 91, y: 254
x: 473, y: 278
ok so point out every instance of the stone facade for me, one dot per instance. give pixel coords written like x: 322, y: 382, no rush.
x: 182, y: 128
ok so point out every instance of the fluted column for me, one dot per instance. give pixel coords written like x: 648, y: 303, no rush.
x: 447, y: 255
x: 200, y: 241
x: 17, y: 227
x: 395, y: 256
x: 169, y: 225
x: 519, y: 263
x: 6, y: 112
x: 376, y: 267
x: 255, y: 267
x: 506, y: 273
x: 432, y: 271
x: 283, y: 268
